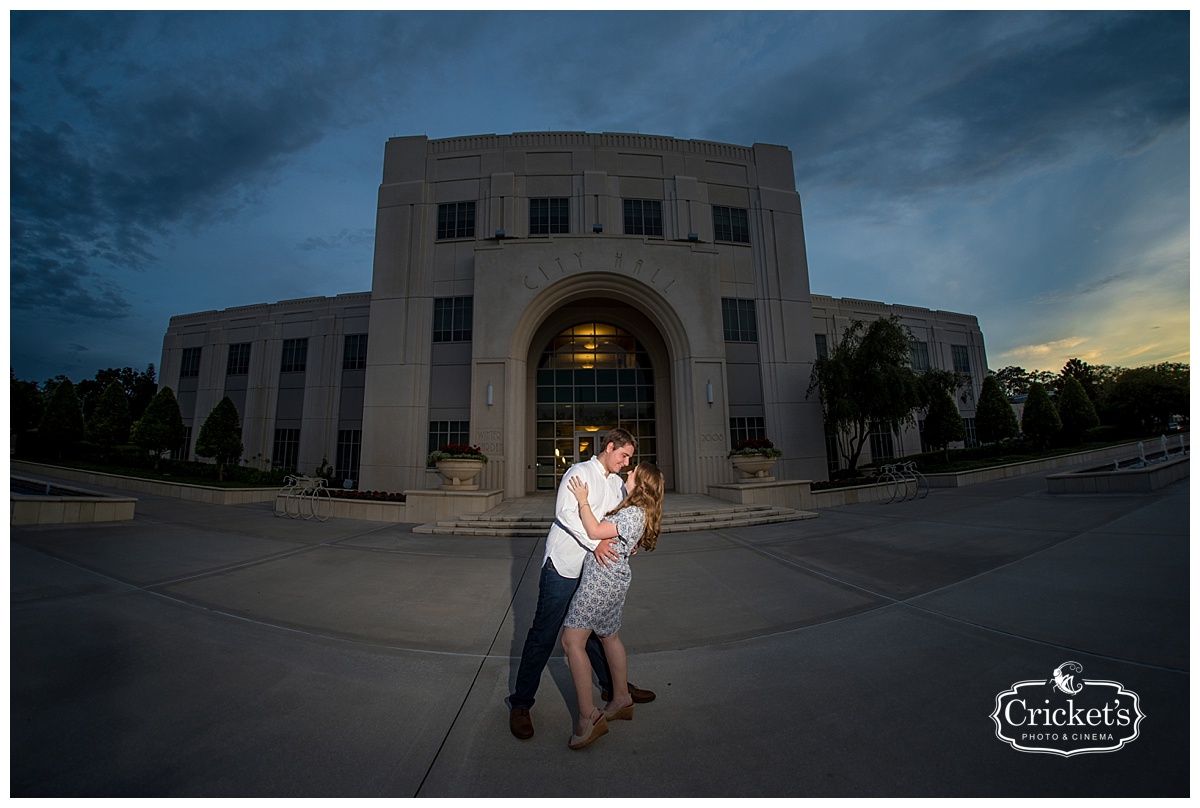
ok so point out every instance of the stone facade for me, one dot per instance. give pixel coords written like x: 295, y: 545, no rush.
x: 942, y: 340
x: 529, y: 292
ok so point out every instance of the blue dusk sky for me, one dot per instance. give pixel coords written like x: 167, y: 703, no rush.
x: 1031, y: 169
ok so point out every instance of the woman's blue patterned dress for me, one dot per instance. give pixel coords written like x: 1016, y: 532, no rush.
x: 601, y: 594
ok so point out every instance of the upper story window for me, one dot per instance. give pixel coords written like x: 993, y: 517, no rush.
x: 354, y: 354
x: 961, y: 357
x: 456, y: 220
x: 731, y: 224
x: 239, y: 360
x: 189, y: 366
x: 295, y: 356
x: 741, y: 324
x: 643, y: 217
x: 548, y: 215
x: 918, y: 353
x: 452, y: 319
x: 822, y: 346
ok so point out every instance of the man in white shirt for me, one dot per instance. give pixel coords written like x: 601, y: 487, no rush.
x: 566, y: 547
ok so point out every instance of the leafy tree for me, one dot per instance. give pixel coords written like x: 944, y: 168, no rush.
x: 25, y: 402
x: 866, y: 379
x: 994, y: 417
x: 931, y: 384
x: 1040, y: 420
x: 1145, y: 398
x: 139, y: 386
x: 109, y: 422
x: 62, y: 422
x: 221, y: 436
x: 161, y: 428
x: 1013, y: 380
x: 943, y: 424
x: 1083, y: 373
x: 1076, y: 410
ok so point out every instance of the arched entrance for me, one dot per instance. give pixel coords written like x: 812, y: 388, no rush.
x: 590, y: 378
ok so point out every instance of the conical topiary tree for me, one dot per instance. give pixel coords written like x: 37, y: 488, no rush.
x: 1076, y: 411
x: 943, y: 423
x: 161, y: 428
x: 221, y: 436
x: 62, y: 421
x: 109, y: 423
x: 1040, y: 420
x: 994, y: 417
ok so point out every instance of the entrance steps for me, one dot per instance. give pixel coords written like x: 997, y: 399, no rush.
x: 522, y: 518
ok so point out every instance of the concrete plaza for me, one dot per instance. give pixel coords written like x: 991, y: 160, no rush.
x: 220, y: 651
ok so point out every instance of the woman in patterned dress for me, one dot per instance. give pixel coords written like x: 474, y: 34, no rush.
x: 600, y: 598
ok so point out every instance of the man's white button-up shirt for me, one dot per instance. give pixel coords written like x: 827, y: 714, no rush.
x: 568, y: 544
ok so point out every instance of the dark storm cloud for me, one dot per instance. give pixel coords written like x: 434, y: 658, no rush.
x: 928, y: 101
x: 123, y: 128
x: 342, y: 239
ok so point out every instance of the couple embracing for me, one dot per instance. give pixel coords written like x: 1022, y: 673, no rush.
x: 598, y: 523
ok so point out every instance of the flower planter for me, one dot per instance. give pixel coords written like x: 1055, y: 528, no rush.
x: 459, y: 473
x: 754, y: 466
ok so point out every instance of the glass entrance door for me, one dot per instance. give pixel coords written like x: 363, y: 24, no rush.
x: 591, y: 378
x: 585, y: 445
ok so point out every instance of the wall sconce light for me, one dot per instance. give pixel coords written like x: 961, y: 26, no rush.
x: 693, y: 236
x: 710, y: 400
x: 489, y: 394
x: 597, y: 228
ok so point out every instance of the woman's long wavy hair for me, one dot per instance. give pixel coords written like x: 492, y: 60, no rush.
x: 648, y: 496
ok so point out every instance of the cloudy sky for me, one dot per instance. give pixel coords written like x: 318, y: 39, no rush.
x: 1028, y: 168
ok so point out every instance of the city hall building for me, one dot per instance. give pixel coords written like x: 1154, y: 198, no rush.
x: 531, y: 292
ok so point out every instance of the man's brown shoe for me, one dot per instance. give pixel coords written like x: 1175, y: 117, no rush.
x: 520, y: 723
x: 639, y: 696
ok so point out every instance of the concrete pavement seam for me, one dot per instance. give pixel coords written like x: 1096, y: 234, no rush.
x: 911, y: 604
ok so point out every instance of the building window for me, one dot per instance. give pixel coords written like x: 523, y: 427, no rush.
x: 731, y: 224
x: 832, y: 462
x: 643, y: 217
x: 354, y: 354
x: 822, y: 346
x: 189, y: 367
x: 750, y: 427
x: 185, y: 446
x: 295, y: 356
x: 925, y: 447
x: 444, y: 432
x: 239, y: 360
x: 286, y: 453
x: 741, y: 325
x: 548, y: 215
x: 918, y: 353
x: 961, y: 357
x: 349, y: 450
x: 882, y: 446
x: 969, y: 428
x: 456, y: 220
x: 452, y: 319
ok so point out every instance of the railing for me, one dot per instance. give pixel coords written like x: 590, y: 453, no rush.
x: 304, y: 497
x: 901, y: 482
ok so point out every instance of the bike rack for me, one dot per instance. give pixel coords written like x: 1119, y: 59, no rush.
x: 303, y: 497
x: 902, y: 482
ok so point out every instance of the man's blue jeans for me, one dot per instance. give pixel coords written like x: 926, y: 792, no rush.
x: 554, y: 596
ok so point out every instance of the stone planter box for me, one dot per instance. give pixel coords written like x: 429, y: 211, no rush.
x: 211, y: 495
x: 65, y: 506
